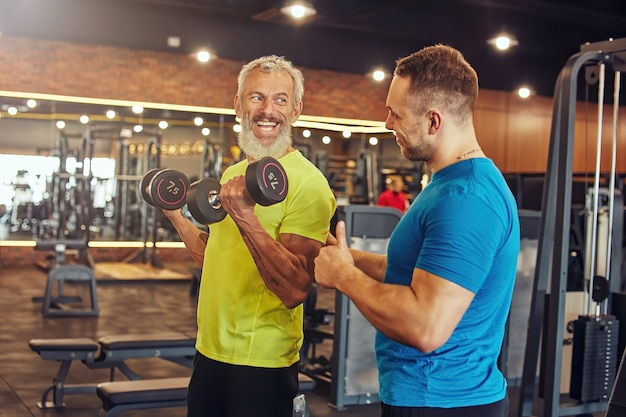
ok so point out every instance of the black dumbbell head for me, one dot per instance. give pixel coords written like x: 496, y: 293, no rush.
x: 266, y: 181
x: 145, y: 184
x: 203, y: 201
x: 168, y: 189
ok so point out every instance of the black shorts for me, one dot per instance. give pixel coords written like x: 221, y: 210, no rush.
x: 497, y: 409
x: 222, y: 390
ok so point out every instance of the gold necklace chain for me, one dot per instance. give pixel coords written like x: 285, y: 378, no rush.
x: 466, y: 154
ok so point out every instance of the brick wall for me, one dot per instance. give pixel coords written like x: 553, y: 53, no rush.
x: 55, y: 67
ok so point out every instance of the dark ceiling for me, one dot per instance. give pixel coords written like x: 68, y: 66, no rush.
x: 346, y: 35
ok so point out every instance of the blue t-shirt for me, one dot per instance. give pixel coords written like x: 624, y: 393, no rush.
x: 463, y: 227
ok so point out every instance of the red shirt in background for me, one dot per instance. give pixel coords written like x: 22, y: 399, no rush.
x: 395, y: 199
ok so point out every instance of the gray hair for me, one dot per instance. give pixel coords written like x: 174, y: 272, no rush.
x: 269, y: 64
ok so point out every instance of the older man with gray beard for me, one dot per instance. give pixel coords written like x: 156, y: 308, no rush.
x: 257, y: 263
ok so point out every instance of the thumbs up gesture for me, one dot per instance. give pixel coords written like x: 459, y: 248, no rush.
x: 334, y: 259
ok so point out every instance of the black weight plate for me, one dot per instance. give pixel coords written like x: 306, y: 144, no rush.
x: 168, y: 189
x: 203, y: 201
x: 266, y: 181
x: 145, y: 183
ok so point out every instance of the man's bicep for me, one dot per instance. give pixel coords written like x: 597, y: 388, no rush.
x: 303, y: 247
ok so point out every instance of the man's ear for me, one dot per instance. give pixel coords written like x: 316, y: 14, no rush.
x: 237, y: 106
x: 434, y: 121
x: 297, y: 111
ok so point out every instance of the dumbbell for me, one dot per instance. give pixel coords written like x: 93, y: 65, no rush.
x: 266, y: 181
x: 165, y: 188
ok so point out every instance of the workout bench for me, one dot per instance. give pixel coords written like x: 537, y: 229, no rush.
x: 55, y: 303
x: 109, y: 352
x: 120, y: 396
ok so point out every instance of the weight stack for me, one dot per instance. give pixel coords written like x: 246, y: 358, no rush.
x: 594, y: 358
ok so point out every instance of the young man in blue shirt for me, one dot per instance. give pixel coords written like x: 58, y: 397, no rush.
x: 440, y: 297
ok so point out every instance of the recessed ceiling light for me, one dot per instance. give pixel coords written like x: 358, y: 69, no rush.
x: 378, y: 75
x: 203, y: 56
x: 298, y: 9
x: 503, y: 42
x: 524, y: 92
x: 173, y: 41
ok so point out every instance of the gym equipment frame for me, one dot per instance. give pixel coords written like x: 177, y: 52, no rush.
x: 553, y: 250
x: 353, y: 365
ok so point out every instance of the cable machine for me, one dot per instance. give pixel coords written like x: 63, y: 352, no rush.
x: 595, y: 333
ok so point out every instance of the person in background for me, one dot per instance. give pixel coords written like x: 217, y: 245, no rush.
x: 257, y: 263
x: 440, y: 297
x: 393, y: 196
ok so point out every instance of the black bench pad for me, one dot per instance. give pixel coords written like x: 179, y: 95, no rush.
x: 60, y: 345
x: 146, y: 341
x: 118, y: 393
x: 306, y: 383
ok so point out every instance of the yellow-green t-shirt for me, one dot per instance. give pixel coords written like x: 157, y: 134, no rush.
x: 240, y: 321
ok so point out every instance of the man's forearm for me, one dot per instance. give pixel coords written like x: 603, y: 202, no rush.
x: 194, y: 239
x: 372, y: 264
x: 285, y: 267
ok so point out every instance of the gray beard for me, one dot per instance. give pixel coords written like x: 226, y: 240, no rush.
x: 255, y: 150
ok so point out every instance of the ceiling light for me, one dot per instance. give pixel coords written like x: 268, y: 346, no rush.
x: 373, y: 141
x: 306, y: 133
x: 31, y: 103
x: 203, y: 56
x: 326, y: 140
x: 524, y: 92
x: 111, y: 114
x: 298, y: 10
x: 503, y: 42
x: 163, y: 124
x: 60, y: 124
x: 173, y: 41
x: 84, y: 119
x: 378, y: 75
x: 137, y: 109
x: 198, y: 121
x: 12, y: 110
x: 206, y: 131
x: 137, y: 128
x: 346, y: 134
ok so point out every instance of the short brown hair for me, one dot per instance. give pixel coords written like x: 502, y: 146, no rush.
x: 440, y: 75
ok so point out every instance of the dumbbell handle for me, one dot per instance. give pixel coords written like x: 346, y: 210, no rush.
x: 214, y: 200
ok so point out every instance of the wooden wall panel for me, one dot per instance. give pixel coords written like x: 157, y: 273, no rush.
x: 490, y: 125
x: 528, y: 134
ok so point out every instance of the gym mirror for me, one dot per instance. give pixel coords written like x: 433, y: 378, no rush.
x: 71, y: 168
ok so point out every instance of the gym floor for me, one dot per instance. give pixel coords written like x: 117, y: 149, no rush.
x: 125, y: 307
